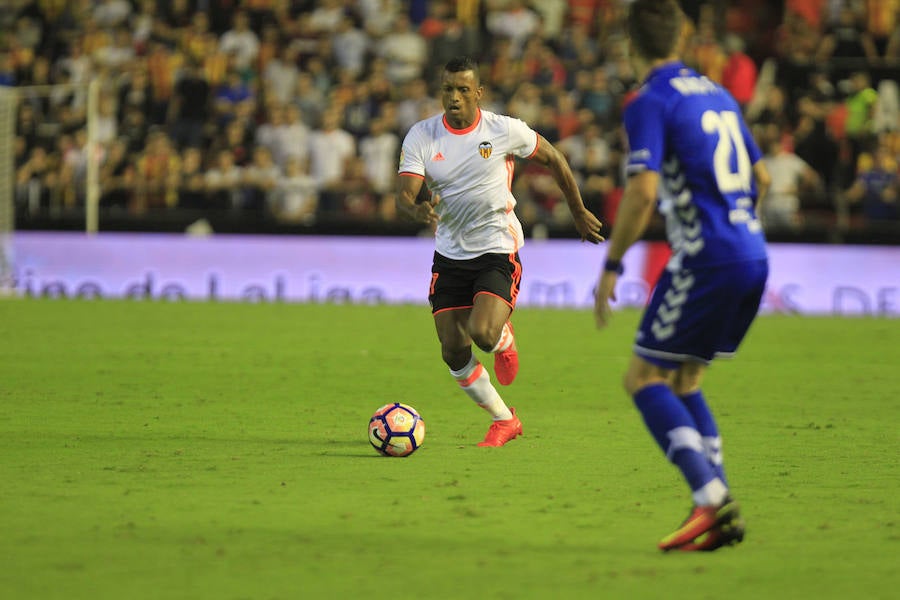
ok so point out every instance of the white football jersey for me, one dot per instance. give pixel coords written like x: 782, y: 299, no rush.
x: 470, y: 171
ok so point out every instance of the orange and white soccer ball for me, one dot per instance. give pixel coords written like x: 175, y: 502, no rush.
x: 396, y: 430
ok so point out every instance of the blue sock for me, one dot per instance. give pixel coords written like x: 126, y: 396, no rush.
x: 709, y: 432
x: 675, y: 431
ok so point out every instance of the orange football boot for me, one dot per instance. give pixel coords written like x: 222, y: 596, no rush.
x: 503, y: 431
x: 506, y: 363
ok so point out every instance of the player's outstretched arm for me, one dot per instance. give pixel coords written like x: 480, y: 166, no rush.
x: 635, y: 211
x: 586, y: 223
x: 423, y: 212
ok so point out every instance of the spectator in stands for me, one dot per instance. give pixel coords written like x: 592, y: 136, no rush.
x: 379, y: 151
x: 404, y: 50
x: 553, y: 17
x: 116, y: 176
x: 76, y: 63
x: 27, y: 125
x: 350, y: 46
x: 360, y: 109
x: 189, y: 110
x: 414, y: 101
x: 455, y: 38
x: 279, y: 78
x: 270, y: 46
x: 215, y: 62
x: 156, y: 177
x: 597, y: 97
x: 739, y: 72
x: 232, y: 93
x: 876, y: 187
x: 774, y: 110
x: 241, y: 42
x: 260, y: 178
x: 860, y: 103
x: 197, y: 41
x: 174, y: 16
x: 191, y: 182
x: 378, y: 16
x: 326, y: 17
x: 432, y: 24
x: 526, y: 103
x: 892, y: 51
x: 36, y: 182
x: 135, y: 92
x: 143, y: 24
x: 119, y: 54
x: 294, y: 135
x: 513, y: 20
x: 237, y: 139
x: 162, y: 65
x: 791, y: 177
x: 886, y: 113
x: 881, y: 22
x: 703, y: 51
x: 309, y: 99
x: 331, y: 148
x: 268, y: 134
x: 223, y: 183
x: 569, y: 118
x: 111, y: 13
x: 355, y: 190
x: 587, y: 151
x: 134, y: 129
x: 814, y: 143
x: 295, y: 198
x: 846, y: 39
x: 545, y: 123
x: 541, y: 66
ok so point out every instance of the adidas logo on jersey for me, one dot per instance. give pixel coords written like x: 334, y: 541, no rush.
x: 438, y: 157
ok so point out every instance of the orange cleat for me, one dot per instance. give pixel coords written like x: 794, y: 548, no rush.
x: 707, y: 528
x: 503, y: 431
x: 729, y: 532
x: 506, y: 363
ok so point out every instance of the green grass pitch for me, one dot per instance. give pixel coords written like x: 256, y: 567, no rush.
x: 189, y: 450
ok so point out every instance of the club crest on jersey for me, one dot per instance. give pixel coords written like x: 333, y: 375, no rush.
x: 485, y: 149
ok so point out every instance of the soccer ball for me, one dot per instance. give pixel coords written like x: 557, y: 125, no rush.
x: 396, y: 430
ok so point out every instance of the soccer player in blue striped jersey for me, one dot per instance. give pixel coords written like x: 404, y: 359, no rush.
x: 692, y: 158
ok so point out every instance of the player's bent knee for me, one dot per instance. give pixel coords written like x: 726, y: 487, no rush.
x: 484, y: 337
x: 634, y: 382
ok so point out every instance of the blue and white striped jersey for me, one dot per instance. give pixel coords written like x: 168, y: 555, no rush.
x: 691, y: 131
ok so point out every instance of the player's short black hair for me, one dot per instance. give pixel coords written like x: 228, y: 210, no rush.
x: 458, y: 64
x: 654, y: 27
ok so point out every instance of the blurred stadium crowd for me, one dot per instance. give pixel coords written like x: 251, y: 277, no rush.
x: 293, y: 111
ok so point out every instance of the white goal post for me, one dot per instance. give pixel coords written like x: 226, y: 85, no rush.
x: 8, y: 105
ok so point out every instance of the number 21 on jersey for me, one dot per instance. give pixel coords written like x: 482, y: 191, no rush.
x: 731, y: 144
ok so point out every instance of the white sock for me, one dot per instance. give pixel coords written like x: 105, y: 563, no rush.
x: 476, y: 382
x: 711, y: 494
x: 505, y: 341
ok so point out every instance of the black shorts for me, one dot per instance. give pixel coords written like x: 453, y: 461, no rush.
x: 455, y: 283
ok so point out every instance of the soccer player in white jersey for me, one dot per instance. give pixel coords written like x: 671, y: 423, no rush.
x: 691, y: 156
x: 466, y: 158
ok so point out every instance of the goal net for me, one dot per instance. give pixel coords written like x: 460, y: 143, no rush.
x: 49, y: 161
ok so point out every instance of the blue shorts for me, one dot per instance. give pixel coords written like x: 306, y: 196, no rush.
x: 699, y: 314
